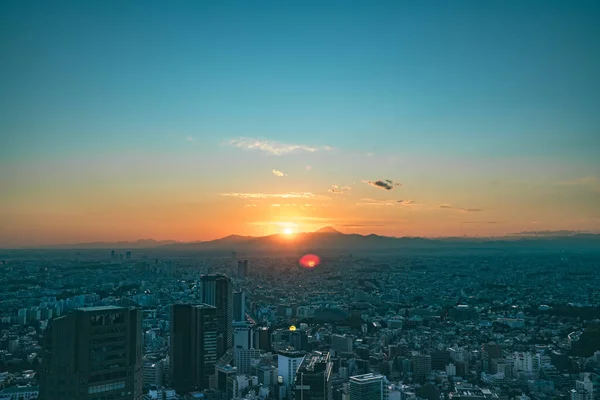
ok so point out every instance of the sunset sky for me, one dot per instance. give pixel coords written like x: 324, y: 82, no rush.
x: 122, y: 120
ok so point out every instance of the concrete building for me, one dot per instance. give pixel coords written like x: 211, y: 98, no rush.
x: 368, y: 387
x: 91, y: 353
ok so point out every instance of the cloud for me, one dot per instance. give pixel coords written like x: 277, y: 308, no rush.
x: 275, y: 205
x: 463, y: 210
x: 273, y: 147
x: 291, y: 195
x: 189, y: 138
x: 335, y: 189
x: 479, y: 222
x: 562, y: 232
x: 386, y: 184
x: 361, y: 225
x: 277, y: 172
x: 590, y: 182
x: 308, y: 167
x: 369, y: 154
x: 389, y: 203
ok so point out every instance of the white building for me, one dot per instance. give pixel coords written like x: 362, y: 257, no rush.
x: 288, y: 363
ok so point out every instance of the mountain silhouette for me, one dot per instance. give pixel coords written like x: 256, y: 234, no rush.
x: 329, y: 238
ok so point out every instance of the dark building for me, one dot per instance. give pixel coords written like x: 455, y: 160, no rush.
x: 239, y: 306
x: 128, y: 255
x: 193, y: 346
x: 263, y: 339
x: 93, y: 353
x: 217, y: 291
x: 490, y: 351
x: 439, y: 360
x: 242, y: 268
x: 299, y: 340
x: 313, y: 377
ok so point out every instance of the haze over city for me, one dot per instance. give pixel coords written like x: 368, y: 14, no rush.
x: 138, y: 120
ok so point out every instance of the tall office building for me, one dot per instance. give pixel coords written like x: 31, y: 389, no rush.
x: 217, y: 291
x: 193, y: 346
x: 288, y: 363
x: 262, y: 339
x: 421, y: 366
x: 367, y: 387
x: 239, y: 306
x: 242, y: 268
x: 93, y: 353
x: 313, y: 377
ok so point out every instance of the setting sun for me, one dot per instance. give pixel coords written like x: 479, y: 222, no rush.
x: 288, y: 231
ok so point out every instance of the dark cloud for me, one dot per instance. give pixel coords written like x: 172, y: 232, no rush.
x: 471, y: 209
x: 446, y: 206
x: 386, y: 184
x: 563, y: 232
x: 405, y: 202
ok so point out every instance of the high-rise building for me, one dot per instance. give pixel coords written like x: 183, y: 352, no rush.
x: 299, y: 340
x: 341, y: 343
x: 262, y: 338
x: 152, y: 373
x: 243, y: 337
x: 421, y: 366
x: 222, y: 373
x: 367, y: 387
x: 193, y: 346
x: 242, y: 268
x: 217, y: 291
x: 313, y: 377
x: 288, y: 363
x: 239, y: 306
x: 93, y: 353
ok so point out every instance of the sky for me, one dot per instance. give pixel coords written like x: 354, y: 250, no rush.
x: 193, y: 120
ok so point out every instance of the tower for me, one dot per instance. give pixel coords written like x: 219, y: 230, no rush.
x: 217, y: 291
x: 193, y: 350
x: 92, y: 352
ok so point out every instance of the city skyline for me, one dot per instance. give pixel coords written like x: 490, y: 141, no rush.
x: 129, y: 121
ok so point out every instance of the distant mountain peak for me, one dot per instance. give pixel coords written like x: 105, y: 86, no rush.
x: 327, y: 229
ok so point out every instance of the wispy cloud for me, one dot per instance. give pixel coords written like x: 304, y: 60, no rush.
x: 308, y: 167
x: 562, y: 232
x: 291, y: 195
x: 277, y: 172
x: 274, y: 147
x: 336, y: 189
x: 463, y: 210
x: 389, y: 203
x: 189, y: 138
x: 386, y: 184
x: 591, y: 182
x: 479, y: 222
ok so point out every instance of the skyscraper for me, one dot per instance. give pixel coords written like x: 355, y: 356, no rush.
x: 239, y: 306
x: 288, y: 363
x: 367, y: 387
x: 242, y: 268
x: 193, y: 350
x: 217, y: 291
x: 313, y: 377
x: 93, y: 353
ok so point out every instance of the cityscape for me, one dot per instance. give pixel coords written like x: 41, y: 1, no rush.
x: 300, y: 200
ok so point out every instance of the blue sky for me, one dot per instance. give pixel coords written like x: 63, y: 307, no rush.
x: 452, y: 81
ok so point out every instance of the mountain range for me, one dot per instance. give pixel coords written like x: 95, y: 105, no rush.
x: 331, y: 239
